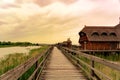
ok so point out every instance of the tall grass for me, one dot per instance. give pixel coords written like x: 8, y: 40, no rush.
x: 115, y: 58
x: 12, y: 60
x: 28, y: 73
x: 109, y: 56
x: 113, y: 74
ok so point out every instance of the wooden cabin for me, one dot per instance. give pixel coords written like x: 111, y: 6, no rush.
x: 67, y: 43
x: 100, y: 37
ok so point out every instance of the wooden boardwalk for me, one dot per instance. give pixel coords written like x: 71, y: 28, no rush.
x: 60, y: 68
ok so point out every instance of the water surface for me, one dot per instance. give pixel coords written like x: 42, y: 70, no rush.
x: 11, y: 50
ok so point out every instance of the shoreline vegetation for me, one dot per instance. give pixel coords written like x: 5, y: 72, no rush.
x: 11, y: 44
x: 12, y: 60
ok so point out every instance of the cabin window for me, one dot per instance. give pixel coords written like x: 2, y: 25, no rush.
x: 104, y: 34
x: 82, y: 34
x: 95, y: 34
x: 113, y: 34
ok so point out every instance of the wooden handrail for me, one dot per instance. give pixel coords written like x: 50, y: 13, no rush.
x: 97, y: 59
x: 107, y: 63
x: 18, y: 71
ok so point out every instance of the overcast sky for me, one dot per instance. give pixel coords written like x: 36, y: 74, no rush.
x: 52, y: 21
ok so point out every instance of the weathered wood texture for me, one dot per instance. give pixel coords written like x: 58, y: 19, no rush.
x: 18, y: 71
x: 60, y: 68
x: 99, y: 45
x: 73, y: 54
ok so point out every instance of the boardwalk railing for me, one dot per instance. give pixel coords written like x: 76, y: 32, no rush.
x: 94, y: 73
x: 37, y: 63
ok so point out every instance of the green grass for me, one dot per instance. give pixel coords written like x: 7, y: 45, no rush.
x: 2, y: 46
x: 113, y: 74
x: 86, y: 61
x: 28, y: 73
x: 111, y: 57
x: 12, y: 60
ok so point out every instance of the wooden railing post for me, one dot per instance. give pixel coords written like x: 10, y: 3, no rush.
x: 92, y: 65
x: 36, y: 65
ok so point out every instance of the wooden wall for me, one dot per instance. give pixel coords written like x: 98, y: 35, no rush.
x: 99, y: 45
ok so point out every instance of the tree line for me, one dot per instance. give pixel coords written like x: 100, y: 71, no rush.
x: 8, y: 43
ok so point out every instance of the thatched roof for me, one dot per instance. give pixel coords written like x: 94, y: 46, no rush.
x: 102, y: 33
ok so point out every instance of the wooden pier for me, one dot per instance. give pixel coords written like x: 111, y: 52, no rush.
x: 60, y: 68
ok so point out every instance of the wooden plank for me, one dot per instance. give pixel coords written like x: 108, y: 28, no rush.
x: 60, y: 68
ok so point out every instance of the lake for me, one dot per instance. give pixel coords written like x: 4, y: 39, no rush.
x: 11, y: 50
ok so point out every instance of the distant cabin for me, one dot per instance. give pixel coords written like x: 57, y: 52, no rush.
x: 67, y: 43
x: 100, y: 37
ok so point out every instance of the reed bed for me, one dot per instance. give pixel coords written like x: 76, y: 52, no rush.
x: 12, y: 60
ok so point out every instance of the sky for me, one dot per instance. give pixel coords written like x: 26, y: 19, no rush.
x: 53, y: 21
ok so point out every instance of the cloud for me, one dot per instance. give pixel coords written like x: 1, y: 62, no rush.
x: 27, y: 20
x: 56, y: 7
x: 40, y: 25
x: 45, y: 2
